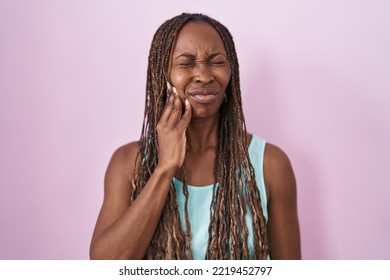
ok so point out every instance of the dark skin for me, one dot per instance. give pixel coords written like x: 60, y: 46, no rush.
x: 198, y: 67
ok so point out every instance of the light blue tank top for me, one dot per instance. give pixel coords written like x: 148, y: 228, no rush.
x: 199, y: 200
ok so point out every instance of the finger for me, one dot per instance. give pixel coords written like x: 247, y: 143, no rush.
x: 168, y: 108
x: 176, y: 109
x: 169, y: 92
x: 186, y: 118
x: 169, y: 88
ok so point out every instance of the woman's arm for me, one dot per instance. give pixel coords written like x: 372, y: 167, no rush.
x: 283, y: 226
x: 124, y: 230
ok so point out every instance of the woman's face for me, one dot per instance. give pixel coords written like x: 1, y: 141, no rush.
x: 199, y: 68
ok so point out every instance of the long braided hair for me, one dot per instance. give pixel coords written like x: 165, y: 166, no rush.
x: 236, y: 192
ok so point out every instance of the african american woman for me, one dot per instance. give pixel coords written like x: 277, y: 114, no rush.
x: 196, y: 185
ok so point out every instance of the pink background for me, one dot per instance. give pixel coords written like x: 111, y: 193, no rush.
x: 315, y: 78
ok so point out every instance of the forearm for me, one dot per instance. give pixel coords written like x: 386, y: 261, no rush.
x: 130, y: 236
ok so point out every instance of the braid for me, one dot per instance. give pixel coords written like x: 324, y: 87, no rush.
x: 236, y: 191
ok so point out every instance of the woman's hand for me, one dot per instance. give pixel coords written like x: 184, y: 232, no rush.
x: 171, y: 131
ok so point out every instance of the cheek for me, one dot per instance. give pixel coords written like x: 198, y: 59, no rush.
x: 179, y: 81
x: 224, y: 76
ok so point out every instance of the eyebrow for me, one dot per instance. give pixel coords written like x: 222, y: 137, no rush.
x: 191, y: 56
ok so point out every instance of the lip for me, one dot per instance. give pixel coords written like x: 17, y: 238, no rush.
x: 203, y: 95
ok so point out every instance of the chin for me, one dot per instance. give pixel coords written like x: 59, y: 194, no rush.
x: 204, y: 113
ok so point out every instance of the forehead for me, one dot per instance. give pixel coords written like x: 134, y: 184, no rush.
x: 198, y: 36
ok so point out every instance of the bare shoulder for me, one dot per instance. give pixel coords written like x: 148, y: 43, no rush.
x: 278, y: 172
x: 275, y: 157
x: 120, y: 169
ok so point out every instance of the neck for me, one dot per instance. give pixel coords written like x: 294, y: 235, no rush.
x: 202, y: 134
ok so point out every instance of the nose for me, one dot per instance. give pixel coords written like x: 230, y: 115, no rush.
x: 203, y: 73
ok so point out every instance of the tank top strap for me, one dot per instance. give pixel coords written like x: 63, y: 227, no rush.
x: 256, y: 154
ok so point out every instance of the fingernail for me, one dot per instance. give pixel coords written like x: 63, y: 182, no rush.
x: 187, y: 103
x: 175, y: 91
x: 168, y: 86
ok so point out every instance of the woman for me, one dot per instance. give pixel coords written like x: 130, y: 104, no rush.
x: 196, y: 185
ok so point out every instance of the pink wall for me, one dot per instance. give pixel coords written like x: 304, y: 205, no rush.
x: 315, y: 79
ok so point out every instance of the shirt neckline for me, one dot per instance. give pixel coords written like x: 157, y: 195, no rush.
x: 177, y: 182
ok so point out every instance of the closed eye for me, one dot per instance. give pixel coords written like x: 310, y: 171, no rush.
x: 218, y: 62
x: 186, y: 64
